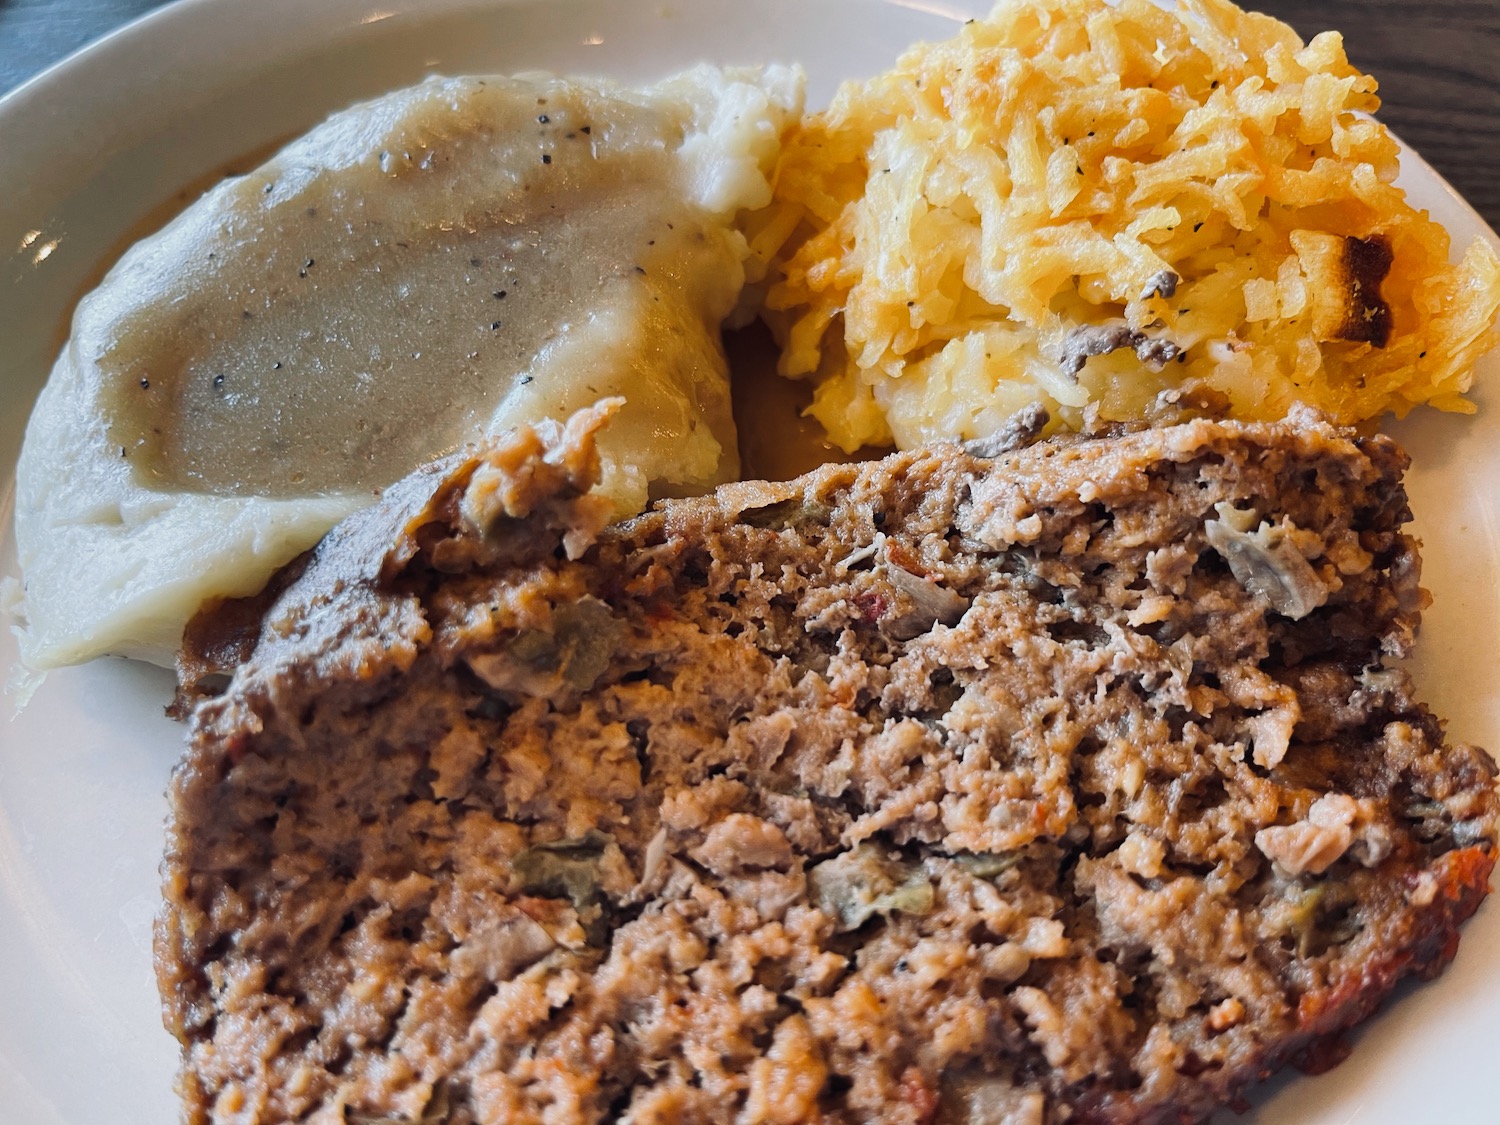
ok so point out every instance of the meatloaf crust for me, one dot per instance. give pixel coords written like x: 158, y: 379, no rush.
x: 1068, y: 785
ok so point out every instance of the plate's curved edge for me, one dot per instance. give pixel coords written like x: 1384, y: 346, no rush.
x: 1449, y: 208
x: 43, y: 84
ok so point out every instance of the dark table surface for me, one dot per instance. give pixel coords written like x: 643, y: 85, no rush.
x: 1438, y: 62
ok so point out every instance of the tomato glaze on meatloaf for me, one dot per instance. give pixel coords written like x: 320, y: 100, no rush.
x: 1070, y: 784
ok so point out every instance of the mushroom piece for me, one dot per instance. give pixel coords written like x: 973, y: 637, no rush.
x: 1018, y: 431
x: 854, y: 886
x: 1088, y: 340
x: 1266, y: 561
x: 1163, y: 284
x: 926, y: 601
x: 577, y: 650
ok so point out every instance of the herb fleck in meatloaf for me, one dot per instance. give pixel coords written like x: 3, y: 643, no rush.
x: 1064, y: 786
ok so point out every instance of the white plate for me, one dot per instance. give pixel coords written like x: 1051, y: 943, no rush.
x: 99, y: 142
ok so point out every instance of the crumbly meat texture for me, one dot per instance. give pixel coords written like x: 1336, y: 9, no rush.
x: 1065, y: 786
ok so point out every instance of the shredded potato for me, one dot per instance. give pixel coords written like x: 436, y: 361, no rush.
x: 1103, y: 208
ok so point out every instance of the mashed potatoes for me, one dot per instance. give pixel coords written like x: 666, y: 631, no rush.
x: 1087, y: 205
x: 437, y: 264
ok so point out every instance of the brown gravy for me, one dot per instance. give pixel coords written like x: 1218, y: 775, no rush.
x: 343, y: 329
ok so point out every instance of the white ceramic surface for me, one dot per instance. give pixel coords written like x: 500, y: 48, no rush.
x: 94, y: 145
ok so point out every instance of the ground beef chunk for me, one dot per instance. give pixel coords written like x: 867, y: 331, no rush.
x: 939, y: 788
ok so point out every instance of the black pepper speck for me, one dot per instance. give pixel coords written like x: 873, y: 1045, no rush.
x: 546, y: 158
x: 499, y: 294
x: 145, y: 384
x: 543, y: 118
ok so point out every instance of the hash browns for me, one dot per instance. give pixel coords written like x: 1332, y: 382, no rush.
x: 1199, y: 186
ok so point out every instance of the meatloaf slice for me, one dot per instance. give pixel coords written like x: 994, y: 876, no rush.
x: 1069, y: 785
